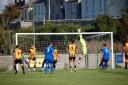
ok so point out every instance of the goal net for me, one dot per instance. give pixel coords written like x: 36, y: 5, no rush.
x: 94, y: 41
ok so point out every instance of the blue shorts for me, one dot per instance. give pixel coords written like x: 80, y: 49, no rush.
x: 105, y: 60
x: 48, y: 61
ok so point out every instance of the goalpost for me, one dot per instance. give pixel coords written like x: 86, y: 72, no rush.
x: 94, y: 38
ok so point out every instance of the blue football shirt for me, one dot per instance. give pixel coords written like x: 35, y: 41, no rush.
x: 106, y: 53
x: 49, y: 53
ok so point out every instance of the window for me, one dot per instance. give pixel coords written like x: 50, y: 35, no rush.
x: 100, y: 9
x: 93, y: 16
x: 86, y: 4
x: 112, y: 2
x: 93, y: 7
x: 39, y: 10
x: 35, y: 10
x: 43, y: 9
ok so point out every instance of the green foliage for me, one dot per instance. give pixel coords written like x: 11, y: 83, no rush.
x: 122, y: 29
x: 10, y: 13
x: 105, y: 23
x: 5, y: 42
x: 25, y: 30
x: 62, y: 27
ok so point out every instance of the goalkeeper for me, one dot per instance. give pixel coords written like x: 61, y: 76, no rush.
x: 83, y: 47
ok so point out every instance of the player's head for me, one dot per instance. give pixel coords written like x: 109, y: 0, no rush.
x: 17, y: 46
x: 72, y: 41
x: 50, y: 45
x: 126, y: 44
x: 32, y: 46
x: 104, y: 45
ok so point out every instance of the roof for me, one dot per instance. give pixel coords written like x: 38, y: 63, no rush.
x: 38, y: 1
x: 30, y: 3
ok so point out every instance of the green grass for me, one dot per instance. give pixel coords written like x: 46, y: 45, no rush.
x: 65, y: 77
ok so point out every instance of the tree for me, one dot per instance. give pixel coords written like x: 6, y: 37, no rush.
x: 63, y: 27
x: 10, y: 13
x: 122, y: 28
x: 60, y: 28
x: 5, y: 42
x: 105, y: 23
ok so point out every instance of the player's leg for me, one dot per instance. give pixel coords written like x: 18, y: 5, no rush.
x: 15, y: 66
x: 126, y: 65
x: 54, y: 64
x: 74, y: 63
x: 26, y: 63
x: 101, y: 63
x: 34, y: 59
x: 70, y: 61
x: 43, y: 65
x: 46, y: 61
x: 106, y: 63
x: 51, y: 65
x: 22, y: 65
x: 29, y: 64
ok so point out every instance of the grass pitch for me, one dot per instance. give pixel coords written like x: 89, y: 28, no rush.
x: 65, y: 77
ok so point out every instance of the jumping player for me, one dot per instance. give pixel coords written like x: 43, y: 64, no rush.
x: 32, y: 56
x: 105, y: 55
x: 18, y: 56
x: 83, y: 48
x: 72, y: 50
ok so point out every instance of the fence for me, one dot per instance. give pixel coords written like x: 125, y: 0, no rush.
x: 63, y: 62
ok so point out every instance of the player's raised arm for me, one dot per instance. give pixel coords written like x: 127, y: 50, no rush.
x: 83, y: 44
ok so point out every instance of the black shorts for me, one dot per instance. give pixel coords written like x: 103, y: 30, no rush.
x: 20, y: 61
x: 32, y: 58
x: 126, y: 56
x: 72, y: 55
x: 72, y: 58
x: 55, y: 61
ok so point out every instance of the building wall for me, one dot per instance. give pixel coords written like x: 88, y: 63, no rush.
x: 116, y: 7
x: 56, y: 12
x: 93, y: 8
x: 84, y: 9
x: 71, y: 10
x: 26, y: 14
x: 39, y: 11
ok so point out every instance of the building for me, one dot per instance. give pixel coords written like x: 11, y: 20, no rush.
x: 72, y: 10
x: 56, y: 9
x: 42, y: 10
x: 92, y: 8
x: 27, y: 11
x: 19, y: 2
x: 115, y: 8
x: 39, y: 10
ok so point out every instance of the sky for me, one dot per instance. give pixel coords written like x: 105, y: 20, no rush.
x: 2, y: 4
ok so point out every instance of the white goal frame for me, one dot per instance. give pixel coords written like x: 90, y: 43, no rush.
x: 74, y: 33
